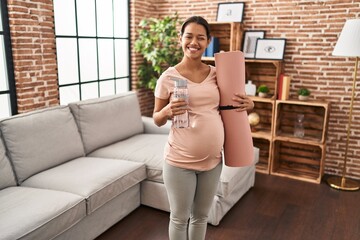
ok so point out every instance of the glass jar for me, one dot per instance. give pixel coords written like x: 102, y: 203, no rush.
x: 299, y: 130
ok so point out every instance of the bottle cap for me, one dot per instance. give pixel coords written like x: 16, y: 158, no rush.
x: 180, y: 82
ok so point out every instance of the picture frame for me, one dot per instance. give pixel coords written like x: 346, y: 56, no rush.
x: 270, y: 48
x: 230, y: 12
x: 249, y: 42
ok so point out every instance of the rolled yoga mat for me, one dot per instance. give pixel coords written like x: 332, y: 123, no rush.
x: 230, y: 73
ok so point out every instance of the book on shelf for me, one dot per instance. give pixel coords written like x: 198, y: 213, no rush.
x: 213, y: 47
x: 283, y: 87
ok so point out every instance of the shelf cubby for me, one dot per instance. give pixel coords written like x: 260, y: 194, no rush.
x: 264, y: 72
x: 298, y: 161
x: 265, y: 146
x: 265, y: 111
x: 315, y: 120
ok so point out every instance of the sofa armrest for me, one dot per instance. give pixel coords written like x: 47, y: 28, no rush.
x: 256, y: 155
x: 151, y: 128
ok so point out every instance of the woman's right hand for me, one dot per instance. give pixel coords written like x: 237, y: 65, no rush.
x: 177, y: 107
x: 164, y: 110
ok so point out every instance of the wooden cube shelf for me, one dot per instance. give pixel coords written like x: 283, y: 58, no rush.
x: 281, y: 153
x: 314, y: 122
x: 264, y: 145
x: 265, y: 110
x: 228, y: 33
x: 265, y: 72
x: 300, y: 157
x: 230, y: 36
x: 298, y: 161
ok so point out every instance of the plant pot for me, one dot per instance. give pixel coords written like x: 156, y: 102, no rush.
x: 262, y: 94
x: 303, y: 98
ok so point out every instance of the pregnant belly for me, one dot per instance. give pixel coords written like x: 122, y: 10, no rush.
x: 201, y: 141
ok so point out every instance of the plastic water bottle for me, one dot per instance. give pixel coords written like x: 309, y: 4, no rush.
x: 181, y: 92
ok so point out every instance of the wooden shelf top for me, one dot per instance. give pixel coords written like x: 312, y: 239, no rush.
x: 307, y: 103
x: 262, y: 135
x: 305, y: 140
x: 222, y: 23
x: 312, y: 178
x: 275, y: 62
x: 254, y: 60
x: 261, y: 99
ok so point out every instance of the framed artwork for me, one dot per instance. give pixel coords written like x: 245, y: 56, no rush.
x: 249, y: 43
x: 230, y: 12
x: 270, y: 48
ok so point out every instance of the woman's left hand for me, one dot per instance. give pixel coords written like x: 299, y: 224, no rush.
x: 243, y: 102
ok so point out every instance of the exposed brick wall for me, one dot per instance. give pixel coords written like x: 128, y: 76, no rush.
x: 33, y: 46
x: 311, y: 29
x: 138, y: 11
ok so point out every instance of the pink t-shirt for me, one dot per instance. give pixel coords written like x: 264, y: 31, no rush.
x: 199, y: 146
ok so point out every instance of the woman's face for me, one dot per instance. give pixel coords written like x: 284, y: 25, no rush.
x: 194, y: 40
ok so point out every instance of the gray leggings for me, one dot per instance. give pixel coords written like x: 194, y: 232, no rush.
x: 190, y: 194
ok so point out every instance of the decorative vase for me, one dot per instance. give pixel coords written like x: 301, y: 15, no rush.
x: 250, y: 88
x: 299, y: 130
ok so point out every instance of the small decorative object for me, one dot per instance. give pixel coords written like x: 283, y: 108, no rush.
x: 250, y: 88
x: 254, y: 119
x: 270, y: 48
x: 230, y: 12
x: 249, y: 45
x: 299, y: 126
x: 263, y: 90
x: 304, y: 94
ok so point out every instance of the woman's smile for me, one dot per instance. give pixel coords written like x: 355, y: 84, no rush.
x: 193, y: 49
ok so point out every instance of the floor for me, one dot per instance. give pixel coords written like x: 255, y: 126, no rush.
x: 275, y: 208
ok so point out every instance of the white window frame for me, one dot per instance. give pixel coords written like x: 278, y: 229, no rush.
x: 104, y: 83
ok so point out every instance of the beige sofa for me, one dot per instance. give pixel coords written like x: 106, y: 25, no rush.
x: 71, y: 172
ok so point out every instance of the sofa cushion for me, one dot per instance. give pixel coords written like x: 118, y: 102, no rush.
x: 151, y: 128
x: 30, y: 213
x: 144, y: 148
x: 97, y: 179
x: 7, y: 177
x: 106, y: 120
x: 41, y: 139
x: 232, y: 176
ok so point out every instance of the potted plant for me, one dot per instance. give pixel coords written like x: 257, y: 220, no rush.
x: 158, y: 42
x: 304, y: 94
x: 262, y: 90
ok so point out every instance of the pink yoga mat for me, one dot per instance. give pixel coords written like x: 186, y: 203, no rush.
x: 230, y: 72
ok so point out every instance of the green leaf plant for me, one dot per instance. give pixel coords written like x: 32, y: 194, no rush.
x: 263, y: 89
x: 158, y: 43
x: 304, y: 92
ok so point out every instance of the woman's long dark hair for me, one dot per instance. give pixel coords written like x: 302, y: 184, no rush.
x: 199, y: 20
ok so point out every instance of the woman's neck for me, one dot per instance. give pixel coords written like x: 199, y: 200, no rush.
x: 191, y: 64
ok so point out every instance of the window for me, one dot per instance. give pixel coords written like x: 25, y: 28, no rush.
x: 92, y: 44
x: 7, y: 82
